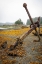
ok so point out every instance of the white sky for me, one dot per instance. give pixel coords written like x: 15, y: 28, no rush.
x: 12, y: 10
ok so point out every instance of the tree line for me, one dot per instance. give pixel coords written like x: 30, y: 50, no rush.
x: 19, y: 21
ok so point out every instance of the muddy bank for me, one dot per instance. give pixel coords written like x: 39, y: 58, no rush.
x: 29, y: 53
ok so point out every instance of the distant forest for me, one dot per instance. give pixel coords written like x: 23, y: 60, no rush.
x: 19, y: 22
x: 34, y: 19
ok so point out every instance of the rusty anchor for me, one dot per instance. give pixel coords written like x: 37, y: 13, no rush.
x: 33, y: 26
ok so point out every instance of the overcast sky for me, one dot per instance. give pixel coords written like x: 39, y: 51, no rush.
x: 12, y: 10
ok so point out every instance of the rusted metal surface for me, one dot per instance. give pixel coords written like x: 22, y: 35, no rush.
x: 34, y: 26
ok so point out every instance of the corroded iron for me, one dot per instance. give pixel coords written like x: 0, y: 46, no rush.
x: 34, y: 26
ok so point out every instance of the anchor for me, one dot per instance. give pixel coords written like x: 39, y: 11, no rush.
x: 33, y: 26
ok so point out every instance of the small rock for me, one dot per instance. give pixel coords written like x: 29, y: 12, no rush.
x: 11, y: 47
x: 4, y: 45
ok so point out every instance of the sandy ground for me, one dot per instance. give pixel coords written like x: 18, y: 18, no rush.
x: 32, y: 55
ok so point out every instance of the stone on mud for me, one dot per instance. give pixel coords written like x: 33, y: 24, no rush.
x: 11, y: 47
x: 4, y: 45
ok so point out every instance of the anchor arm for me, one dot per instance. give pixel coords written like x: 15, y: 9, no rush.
x: 26, y: 34
x: 25, y: 6
x: 20, y: 39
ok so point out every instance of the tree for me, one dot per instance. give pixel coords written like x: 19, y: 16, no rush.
x: 41, y: 20
x: 19, y: 21
x: 28, y: 22
x: 34, y: 20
